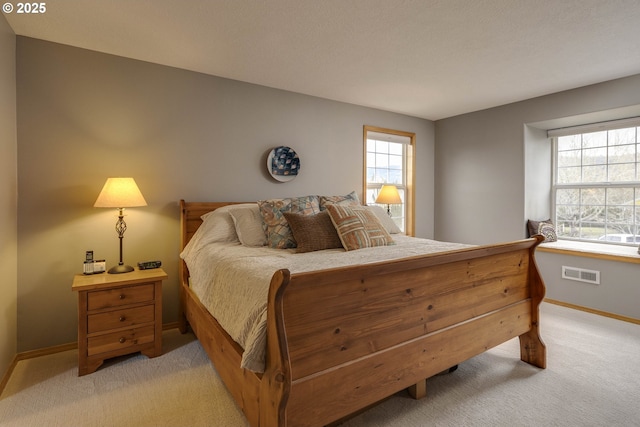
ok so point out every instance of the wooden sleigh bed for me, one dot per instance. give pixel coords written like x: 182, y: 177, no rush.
x: 342, y: 339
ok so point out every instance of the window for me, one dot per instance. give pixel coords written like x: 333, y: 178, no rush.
x: 597, y: 183
x: 389, y: 159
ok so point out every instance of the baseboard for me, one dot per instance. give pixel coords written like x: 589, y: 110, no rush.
x: 593, y: 311
x: 7, y: 375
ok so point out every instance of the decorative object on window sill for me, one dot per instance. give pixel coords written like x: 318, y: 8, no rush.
x: 388, y: 195
x: 283, y: 163
x: 120, y: 193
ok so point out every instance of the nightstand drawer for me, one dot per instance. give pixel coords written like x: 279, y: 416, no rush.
x: 120, y: 296
x: 120, y: 318
x: 120, y: 340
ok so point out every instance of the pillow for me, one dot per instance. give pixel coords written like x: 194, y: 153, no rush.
x: 313, y: 232
x: 387, y: 222
x: 275, y: 226
x: 358, y: 227
x: 248, y: 225
x: 546, y: 228
x: 350, y: 199
x: 217, y: 226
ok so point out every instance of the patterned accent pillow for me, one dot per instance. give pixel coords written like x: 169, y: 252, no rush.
x: 275, y: 226
x: 350, y: 199
x: 313, y: 232
x: 548, y: 231
x: 358, y: 227
x: 546, y: 228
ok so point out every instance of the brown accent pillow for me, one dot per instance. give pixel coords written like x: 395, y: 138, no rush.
x: 275, y: 225
x: 358, y: 227
x: 313, y: 232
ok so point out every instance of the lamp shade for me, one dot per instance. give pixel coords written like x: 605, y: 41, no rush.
x: 388, y: 195
x: 120, y: 193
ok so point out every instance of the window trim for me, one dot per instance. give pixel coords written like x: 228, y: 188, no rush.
x: 410, y: 163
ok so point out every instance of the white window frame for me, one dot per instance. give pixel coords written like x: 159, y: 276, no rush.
x: 606, y: 186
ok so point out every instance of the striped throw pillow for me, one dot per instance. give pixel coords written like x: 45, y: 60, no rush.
x: 358, y: 227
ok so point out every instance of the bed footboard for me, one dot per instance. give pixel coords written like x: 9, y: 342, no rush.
x: 340, y: 340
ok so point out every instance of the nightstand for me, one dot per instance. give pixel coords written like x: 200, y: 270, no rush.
x: 118, y: 314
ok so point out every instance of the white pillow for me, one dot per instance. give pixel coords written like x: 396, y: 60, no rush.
x: 387, y: 222
x: 217, y: 226
x: 249, y: 225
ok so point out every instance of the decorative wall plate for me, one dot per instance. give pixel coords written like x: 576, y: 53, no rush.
x: 283, y: 163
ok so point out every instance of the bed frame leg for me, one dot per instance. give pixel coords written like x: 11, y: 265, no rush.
x: 182, y: 323
x: 182, y: 316
x: 418, y: 390
x: 532, y: 349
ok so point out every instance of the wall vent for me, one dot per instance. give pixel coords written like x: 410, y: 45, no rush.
x: 581, y: 275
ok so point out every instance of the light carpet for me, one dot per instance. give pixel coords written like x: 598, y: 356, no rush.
x: 592, y: 379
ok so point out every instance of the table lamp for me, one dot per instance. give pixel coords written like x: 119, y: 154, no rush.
x: 120, y: 193
x: 388, y: 195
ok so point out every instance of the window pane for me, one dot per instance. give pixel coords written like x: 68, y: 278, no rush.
x: 395, y: 162
x: 622, y: 173
x: 371, y: 159
x: 569, y: 158
x: 382, y: 160
x: 620, y: 196
x: 382, y: 147
x: 620, y: 215
x: 395, y: 177
x: 569, y: 175
x: 594, y: 156
x: 592, y: 196
x: 594, y: 173
x: 371, y: 175
x: 571, y: 142
x: 622, y: 136
x: 594, y: 139
x: 371, y: 196
x: 622, y: 153
x: 568, y: 197
x: 381, y: 175
x: 396, y: 148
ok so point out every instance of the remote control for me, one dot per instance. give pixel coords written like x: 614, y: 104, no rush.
x: 146, y: 265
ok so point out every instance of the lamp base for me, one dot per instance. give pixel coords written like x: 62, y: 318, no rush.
x: 117, y: 269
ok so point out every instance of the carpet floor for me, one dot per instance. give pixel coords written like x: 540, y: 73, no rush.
x: 592, y: 379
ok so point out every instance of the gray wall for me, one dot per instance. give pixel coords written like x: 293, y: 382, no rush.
x: 84, y: 116
x: 493, y: 172
x: 8, y: 197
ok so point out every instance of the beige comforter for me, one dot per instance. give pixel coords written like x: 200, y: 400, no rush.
x: 232, y: 281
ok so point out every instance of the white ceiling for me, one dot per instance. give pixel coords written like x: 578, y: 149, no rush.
x: 425, y: 58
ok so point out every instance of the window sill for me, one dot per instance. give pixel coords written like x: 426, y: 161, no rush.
x: 592, y: 250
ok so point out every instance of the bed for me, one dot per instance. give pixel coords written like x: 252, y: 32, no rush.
x: 339, y: 339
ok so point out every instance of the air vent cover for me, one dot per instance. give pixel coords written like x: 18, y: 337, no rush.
x: 581, y: 275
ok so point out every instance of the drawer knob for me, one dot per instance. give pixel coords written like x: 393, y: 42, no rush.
x: 121, y: 296
x: 122, y: 318
x: 122, y: 340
